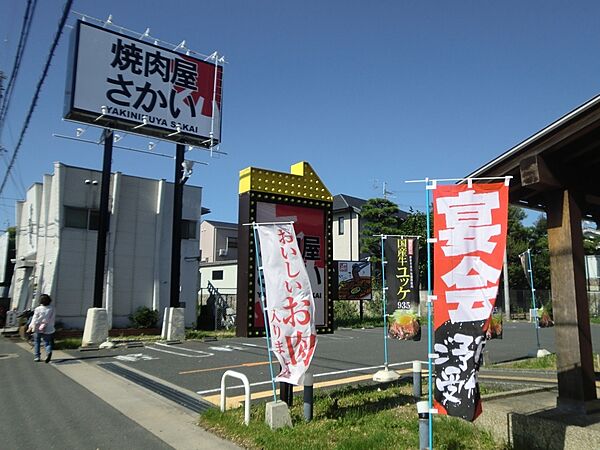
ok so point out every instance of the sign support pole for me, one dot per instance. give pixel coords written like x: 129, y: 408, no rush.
x: 429, y: 318
x: 384, y: 298
x: 178, y: 183
x: 533, y: 302
x: 385, y: 375
x: 264, y: 307
x: 104, y: 220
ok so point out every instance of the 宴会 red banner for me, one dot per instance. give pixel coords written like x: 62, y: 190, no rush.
x: 470, y: 227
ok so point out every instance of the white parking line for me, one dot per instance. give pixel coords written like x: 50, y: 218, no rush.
x: 185, y: 349
x: 322, y: 374
x: 200, y: 354
x: 133, y: 357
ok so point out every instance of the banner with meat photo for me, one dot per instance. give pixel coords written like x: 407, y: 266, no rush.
x: 470, y: 225
x: 289, y: 301
x: 402, y: 282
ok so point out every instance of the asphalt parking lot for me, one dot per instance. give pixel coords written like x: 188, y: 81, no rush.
x: 344, y: 357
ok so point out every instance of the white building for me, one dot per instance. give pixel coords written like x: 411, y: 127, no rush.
x: 56, y: 245
x: 347, y: 225
x: 218, y: 241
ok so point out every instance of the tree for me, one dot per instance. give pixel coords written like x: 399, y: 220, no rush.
x: 517, y: 242
x: 540, y: 254
x: 380, y: 216
x: 519, y: 239
x: 416, y: 225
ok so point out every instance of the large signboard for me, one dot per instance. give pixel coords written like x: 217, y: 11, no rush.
x: 353, y: 280
x: 470, y: 227
x: 402, y: 282
x: 301, y: 198
x: 121, y: 82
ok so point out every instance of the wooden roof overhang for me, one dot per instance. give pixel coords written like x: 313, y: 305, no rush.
x: 564, y: 155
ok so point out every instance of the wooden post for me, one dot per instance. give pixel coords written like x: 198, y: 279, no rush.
x: 575, y: 370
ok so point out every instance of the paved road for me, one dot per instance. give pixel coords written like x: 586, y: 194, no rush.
x: 348, y: 355
x: 43, y: 409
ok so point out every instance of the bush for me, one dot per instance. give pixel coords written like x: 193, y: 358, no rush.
x: 144, y: 317
x: 344, y: 312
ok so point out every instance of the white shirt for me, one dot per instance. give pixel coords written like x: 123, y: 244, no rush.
x: 43, y: 316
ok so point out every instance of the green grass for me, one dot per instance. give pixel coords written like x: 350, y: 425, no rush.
x: 67, y: 344
x: 595, y: 319
x: 350, y: 418
x: 545, y: 362
x: 201, y: 334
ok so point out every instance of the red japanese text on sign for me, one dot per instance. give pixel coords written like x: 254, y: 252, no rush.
x: 289, y: 301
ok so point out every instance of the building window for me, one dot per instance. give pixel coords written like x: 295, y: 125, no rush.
x: 232, y: 242
x: 86, y: 219
x: 217, y: 274
x: 341, y: 223
x: 188, y: 229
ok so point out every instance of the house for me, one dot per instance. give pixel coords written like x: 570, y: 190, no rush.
x: 218, y: 241
x: 348, y: 225
x: 56, y: 238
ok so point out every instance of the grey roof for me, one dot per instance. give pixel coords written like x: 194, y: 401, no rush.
x: 217, y: 224
x: 343, y: 201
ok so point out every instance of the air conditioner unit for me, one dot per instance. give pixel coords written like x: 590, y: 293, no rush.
x: 222, y: 252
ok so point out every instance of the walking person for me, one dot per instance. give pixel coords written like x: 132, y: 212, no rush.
x: 42, y: 325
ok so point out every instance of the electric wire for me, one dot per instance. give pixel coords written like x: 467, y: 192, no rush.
x: 21, y: 186
x: 27, y: 19
x: 61, y: 25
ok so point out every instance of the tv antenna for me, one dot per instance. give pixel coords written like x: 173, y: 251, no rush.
x: 384, y: 190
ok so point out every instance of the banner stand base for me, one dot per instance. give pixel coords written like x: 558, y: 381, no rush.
x: 385, y: 376
x: 277, y: 415
x: 542, y: 352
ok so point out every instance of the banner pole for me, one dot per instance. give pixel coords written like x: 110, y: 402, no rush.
x: 533, y: 302
x: 429, y: 318
x: 262, y: 303
x: 384, y: 298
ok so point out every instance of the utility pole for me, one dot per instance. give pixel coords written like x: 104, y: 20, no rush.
x: 104, y: 219
x: 179, y: 181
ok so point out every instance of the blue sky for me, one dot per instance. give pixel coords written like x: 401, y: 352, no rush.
x: 366, y: 92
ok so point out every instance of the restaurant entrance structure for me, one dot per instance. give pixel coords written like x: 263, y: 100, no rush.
x: 556, y: 171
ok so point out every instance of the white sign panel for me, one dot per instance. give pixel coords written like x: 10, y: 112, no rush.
x: 122, y: 82
x: 289, y: 298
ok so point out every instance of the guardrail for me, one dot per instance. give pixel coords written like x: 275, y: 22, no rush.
x: 244, y: 379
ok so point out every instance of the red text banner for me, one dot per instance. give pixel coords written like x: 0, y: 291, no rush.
x: 289, y: 301
x: 470, y: 227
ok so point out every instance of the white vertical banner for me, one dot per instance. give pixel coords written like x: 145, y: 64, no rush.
x: 289, y: 301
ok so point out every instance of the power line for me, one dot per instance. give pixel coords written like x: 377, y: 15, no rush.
x: 61, y: 26
x: 27, y: 19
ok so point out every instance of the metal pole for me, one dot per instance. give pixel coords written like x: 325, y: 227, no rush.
x: 176, y: 233
x: 384, y: 297
x: 308, y: 396
x: 264, y: 309
x: 416, y: 369
x: 429, y: 320
x: 506, y: 289
x: 534, y: 310
x: 424, y: 434
x: 104, y: 219
x: 286, y: 392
